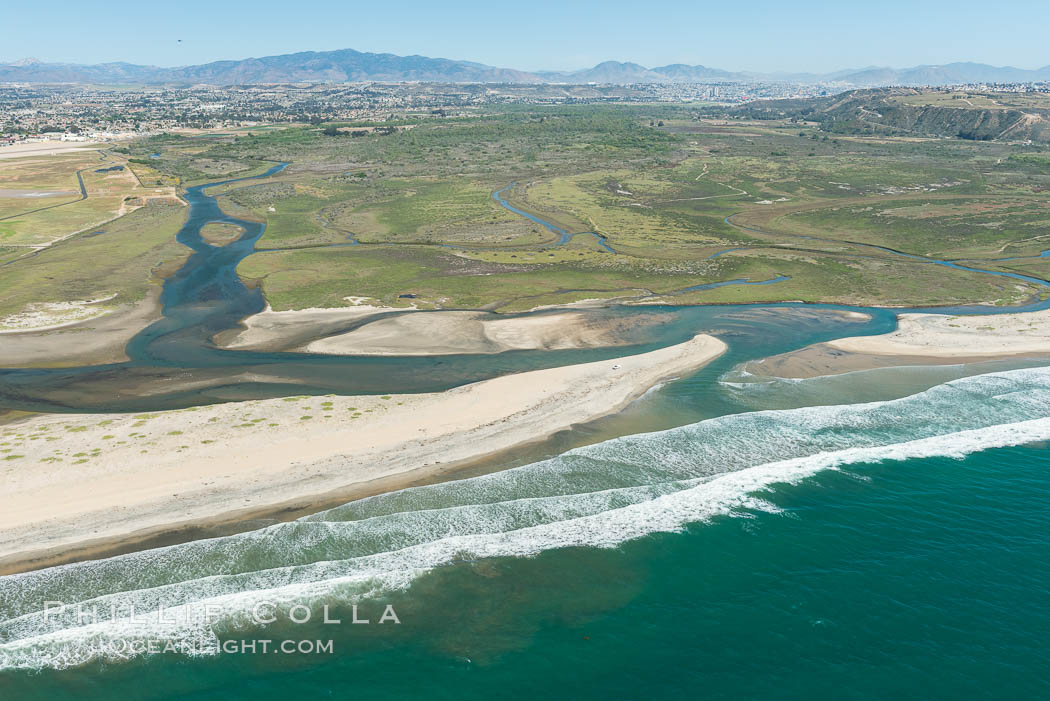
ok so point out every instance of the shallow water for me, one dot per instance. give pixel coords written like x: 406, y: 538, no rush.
x: 173, y: 363
x: 779, y: 532
x: 862, y: 535
x: 563, y: 235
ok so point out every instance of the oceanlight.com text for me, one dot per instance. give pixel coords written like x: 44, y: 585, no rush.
x: 60, y: 615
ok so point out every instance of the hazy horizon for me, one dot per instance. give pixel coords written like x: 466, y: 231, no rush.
x: 8, y: 60
x: 772, y: 38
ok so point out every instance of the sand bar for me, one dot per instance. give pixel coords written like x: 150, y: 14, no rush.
x: 920, y: 339
x: 269, y: 330
x: 450, y: 332
x: 86, y: 482
x: 958, y: 336
x: 373, y: 330
x: 98, y: 339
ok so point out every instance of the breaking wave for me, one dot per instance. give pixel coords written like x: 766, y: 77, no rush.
x: 597, y: 496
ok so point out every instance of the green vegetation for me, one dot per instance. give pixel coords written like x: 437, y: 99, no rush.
x: 1040, y: 162
x: 175, y: 158
x: 662, y: 208
x: 992, y: 116
x: 124, y: 261
x: 989, y: 227
x: 652, y: 196
x: 221, y: 233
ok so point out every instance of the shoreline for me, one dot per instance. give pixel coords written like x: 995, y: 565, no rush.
x: 271, y: 330
x: 446, y: 332
x: 203, y: 470
x: 366, y: 330
x: 920, y: 339
x: 248, y: 519
x: 96, y: 340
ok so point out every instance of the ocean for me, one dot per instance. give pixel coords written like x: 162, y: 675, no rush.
x: 888, y: 545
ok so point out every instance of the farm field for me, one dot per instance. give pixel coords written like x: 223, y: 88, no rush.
x: 41, y: 200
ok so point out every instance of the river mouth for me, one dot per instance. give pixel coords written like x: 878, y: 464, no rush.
x: 571, y: 524
x: 174, y: 364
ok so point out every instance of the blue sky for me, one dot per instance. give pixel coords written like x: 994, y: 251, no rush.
x: 766, y: 35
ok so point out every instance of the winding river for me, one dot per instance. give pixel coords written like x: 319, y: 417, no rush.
x: 500, y: 574
x: 173, y: 363
x: 563, y: 235
x: 921, y: 259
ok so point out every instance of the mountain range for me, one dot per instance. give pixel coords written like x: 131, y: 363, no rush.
x: 347, y: 65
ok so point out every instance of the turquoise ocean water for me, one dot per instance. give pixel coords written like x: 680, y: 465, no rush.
x: 873, y: 535
x: 862, y: 550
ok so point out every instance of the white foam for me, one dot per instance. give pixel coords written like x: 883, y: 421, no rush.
x: 598, y: 496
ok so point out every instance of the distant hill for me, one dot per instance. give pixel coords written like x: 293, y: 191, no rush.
x: 34, y: 71
x: 341, y: 66
x: 607, y: 72
x: 347, y: 65
x: 948, y: 74
x: 623, y: 73
x: 912, y: 112
x: 681, y: 73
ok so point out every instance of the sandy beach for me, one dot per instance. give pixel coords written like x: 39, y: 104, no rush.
x: 958, y: 336
x: 98, y: 339
x: 443, y: 333
x: 373, y: 330
x: 920, y: 339
x: 101, y: 480
x: 270, y: 330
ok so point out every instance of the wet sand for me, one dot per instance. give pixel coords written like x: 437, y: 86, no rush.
x: 920, y: 339
x: 97, y: 340
x: 824, y: 359
x: 279, y: 331
x: 112, y: 480
x: 452, y: 332
x: 371, y: 330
